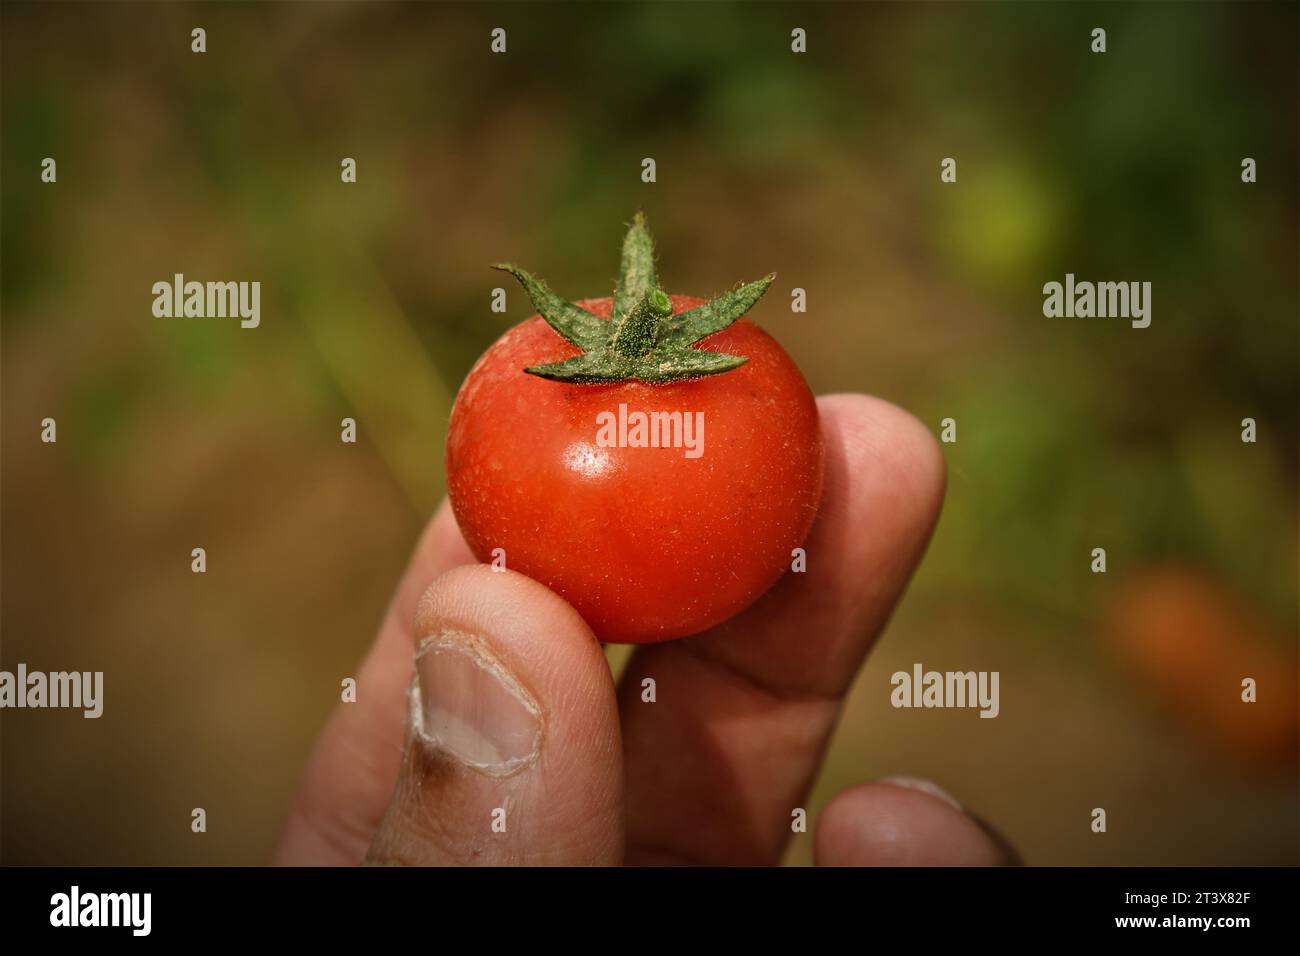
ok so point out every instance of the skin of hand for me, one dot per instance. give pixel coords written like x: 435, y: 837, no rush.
x: 513, y: 745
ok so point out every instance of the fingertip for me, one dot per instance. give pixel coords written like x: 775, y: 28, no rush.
x: 540, y: 639
x: 526, y: 619
x: 901, y: 824
x: 869, y: 432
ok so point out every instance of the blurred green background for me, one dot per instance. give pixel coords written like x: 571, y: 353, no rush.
x: 1118, y: 690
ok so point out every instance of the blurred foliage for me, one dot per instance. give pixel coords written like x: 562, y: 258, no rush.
x: 1072, y: 434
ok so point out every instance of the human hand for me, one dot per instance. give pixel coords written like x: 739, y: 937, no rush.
x: 514, y: 718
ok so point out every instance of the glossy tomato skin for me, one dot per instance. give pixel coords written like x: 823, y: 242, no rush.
x: 646, y: 543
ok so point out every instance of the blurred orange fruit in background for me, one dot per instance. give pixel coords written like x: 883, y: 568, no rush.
x: 1193, y: 641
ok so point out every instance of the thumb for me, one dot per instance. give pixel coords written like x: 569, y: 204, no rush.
x: 512, y: 752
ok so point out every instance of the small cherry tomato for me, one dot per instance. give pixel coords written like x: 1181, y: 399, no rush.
x: 653, y: 459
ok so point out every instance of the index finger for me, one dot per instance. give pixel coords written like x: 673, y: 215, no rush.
x: 743, y: 712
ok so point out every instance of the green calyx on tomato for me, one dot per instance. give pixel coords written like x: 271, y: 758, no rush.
x: 642, y: 339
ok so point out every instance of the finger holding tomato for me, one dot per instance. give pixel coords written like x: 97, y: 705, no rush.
x: 486, y: 700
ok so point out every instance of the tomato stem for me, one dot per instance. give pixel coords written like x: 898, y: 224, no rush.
x: 643, y: 339
x: 639, y: 330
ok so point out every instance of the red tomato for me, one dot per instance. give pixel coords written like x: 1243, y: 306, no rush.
x: 646, y: 543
